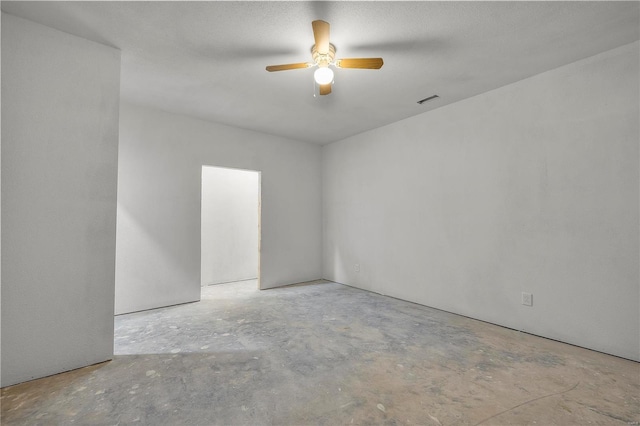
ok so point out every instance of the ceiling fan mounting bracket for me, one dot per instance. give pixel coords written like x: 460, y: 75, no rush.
x: 323, y: 60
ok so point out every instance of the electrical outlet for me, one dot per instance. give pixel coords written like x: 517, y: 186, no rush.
x: 527, y: 299
x: 356, y: 267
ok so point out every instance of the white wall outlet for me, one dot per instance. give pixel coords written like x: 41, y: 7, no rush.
x: 527, y: 299
x: 356, y: 267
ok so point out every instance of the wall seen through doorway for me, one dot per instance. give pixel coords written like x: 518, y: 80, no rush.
x: 229, y: 225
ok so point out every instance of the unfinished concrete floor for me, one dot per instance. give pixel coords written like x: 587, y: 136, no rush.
x: 328, y: 354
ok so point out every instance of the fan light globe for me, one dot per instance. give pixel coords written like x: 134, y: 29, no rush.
x: 323, y: 75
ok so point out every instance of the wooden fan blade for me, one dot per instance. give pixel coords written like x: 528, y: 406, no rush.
x: 325, y: 89
x: 366, y: 63
x: 321, y: 35
x: 285, y: 67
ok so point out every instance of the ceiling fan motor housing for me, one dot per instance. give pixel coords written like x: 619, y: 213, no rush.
x: 323, y: 60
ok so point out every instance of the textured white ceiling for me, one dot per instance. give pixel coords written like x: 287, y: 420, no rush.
x: 207, y: 59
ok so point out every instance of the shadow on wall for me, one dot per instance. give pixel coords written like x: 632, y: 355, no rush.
x: 156, y: 250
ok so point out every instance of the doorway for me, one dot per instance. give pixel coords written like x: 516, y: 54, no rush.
x: 230, y: 226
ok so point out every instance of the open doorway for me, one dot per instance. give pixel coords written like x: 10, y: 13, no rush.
x: 230, y: 226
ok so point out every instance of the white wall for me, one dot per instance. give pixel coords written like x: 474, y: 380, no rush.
x: 229, y: 225
x: 159, y: 177
x: 532, y: 187
x: 60, y: 97
x: 0, y: 219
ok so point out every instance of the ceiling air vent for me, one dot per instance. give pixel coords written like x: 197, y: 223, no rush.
x: 430, y: 98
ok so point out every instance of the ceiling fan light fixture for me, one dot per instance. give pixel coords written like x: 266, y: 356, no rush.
x: 323, y: 75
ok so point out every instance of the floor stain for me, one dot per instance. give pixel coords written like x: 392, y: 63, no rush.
x: 324, y: 353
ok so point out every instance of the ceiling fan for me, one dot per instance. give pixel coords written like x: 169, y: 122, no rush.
x: 323, y: 54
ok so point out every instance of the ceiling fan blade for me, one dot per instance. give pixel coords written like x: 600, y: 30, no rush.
x: 365, y: 63
x: 285, y: 67
x: 325, y: 89
x: 321, y: 35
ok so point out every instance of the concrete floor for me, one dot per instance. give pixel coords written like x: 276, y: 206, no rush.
x: 328, y: 354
